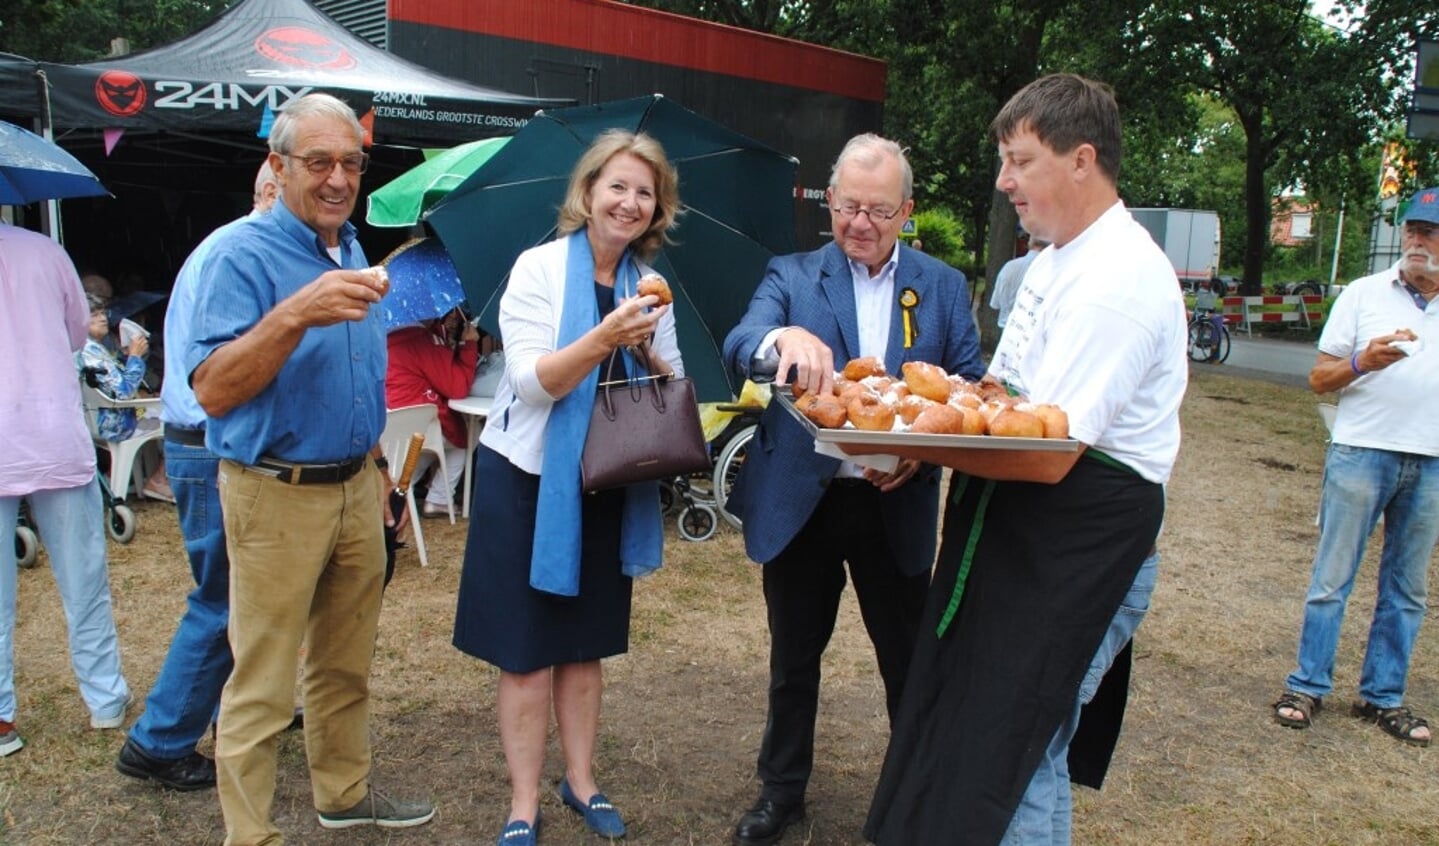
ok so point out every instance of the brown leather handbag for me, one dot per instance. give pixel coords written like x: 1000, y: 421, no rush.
x: 641, y: 430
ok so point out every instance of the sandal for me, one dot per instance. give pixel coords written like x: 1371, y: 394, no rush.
x: 1303, y: 704
x: 1399, y: 722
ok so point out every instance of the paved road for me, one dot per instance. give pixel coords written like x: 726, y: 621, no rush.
x: 1284, y: 362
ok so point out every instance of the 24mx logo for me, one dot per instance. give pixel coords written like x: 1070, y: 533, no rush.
x: 223, y: 96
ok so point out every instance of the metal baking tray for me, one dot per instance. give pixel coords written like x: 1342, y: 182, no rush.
x: 861, y: 437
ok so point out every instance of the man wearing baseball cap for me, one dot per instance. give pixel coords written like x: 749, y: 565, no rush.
x: 1380, y: 351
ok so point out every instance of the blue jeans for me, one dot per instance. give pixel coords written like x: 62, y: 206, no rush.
x: 1044, y: 814
x: 1359, y: 485
x: 70, y: 522
x: 187, y: 691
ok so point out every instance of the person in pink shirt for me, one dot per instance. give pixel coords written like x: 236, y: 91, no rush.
x: 49, y: 460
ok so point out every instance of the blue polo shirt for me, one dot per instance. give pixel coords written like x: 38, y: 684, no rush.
x: 327, y: 403
x: 179, y: 407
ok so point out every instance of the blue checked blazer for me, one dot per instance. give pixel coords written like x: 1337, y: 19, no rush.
x: 783, y: 479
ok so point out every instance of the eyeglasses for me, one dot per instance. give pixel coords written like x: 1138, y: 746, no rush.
x: 325, y: 165
x: 849, y: 211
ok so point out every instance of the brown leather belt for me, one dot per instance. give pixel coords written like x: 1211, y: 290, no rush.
x: 309, y: 474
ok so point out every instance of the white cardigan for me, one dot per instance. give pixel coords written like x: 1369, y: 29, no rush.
x: 529, y: 328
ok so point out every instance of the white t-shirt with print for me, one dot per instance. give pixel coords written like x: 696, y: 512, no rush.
x: 1098, y: 328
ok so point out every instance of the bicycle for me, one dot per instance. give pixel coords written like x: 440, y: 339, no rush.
x: 1208, y: 337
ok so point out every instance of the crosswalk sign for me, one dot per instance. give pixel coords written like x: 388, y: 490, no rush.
x: 909, y: 229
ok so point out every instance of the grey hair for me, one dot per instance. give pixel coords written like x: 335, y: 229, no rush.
x: 265, y: 176
x: 866, y: 151
x: 282, y: 134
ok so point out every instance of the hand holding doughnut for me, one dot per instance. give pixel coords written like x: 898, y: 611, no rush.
x: 632, y: 322
x: 808, y: 357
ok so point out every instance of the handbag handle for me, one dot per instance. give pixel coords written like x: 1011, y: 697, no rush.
x: 634, y: 384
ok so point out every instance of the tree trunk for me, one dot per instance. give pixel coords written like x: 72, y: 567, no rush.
x: 1256, y: 205
x: 999, y: 249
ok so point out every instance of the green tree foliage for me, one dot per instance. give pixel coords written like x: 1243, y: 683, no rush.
x: 81, y: 30
x: 943, y: 237
x: 1226, y: 102
x: 1250, y: 55
x: 861, y: 26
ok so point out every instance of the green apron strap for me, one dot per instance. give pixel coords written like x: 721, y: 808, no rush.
x: 975, y: 529
x: 1106, y: 458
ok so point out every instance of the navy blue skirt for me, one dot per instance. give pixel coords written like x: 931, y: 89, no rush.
x: 500, y: 619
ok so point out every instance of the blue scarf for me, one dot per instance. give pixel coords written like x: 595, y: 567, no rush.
x: 555, y: 560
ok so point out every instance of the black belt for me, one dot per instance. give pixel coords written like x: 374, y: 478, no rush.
x: 309, y: 474
x: 186, y: 436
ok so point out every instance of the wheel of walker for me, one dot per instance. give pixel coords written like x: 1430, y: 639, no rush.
x: 727, y: 466
x: 668, y: 498
x: 120, y: 525
x: 27, y: 547
x: 697, y: 522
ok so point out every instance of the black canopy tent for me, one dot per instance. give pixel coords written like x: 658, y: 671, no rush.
x: 175, y: 132
x: 251, y: 60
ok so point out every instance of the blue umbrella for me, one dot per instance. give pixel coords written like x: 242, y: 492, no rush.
x: 423, y: 283
x: 33, y: 169
x: 126, y: 305
x: 738, y: 197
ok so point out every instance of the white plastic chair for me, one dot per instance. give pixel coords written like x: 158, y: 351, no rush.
x: 125, y: 465
x: 400, y: 425
x: 435, y: 445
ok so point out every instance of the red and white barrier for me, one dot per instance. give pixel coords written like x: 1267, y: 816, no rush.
x: 1274, y: 308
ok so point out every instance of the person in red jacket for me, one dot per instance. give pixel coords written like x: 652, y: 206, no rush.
x: 432, y: 362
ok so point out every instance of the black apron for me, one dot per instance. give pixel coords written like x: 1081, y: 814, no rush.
x: 1046, y: 569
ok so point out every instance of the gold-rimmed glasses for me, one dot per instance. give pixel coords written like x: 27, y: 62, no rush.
x: 353, y: 164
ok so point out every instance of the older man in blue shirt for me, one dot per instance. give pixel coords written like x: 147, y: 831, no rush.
x: 288, y: 361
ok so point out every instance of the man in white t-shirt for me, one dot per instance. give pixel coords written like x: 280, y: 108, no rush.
x: 1378, y: 351
x: 1048, y: 557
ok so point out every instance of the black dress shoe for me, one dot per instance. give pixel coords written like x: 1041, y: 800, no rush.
x: 766, y: 821
x: 192, y: 772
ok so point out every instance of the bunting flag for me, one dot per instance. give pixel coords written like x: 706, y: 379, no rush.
x: 267, y: 121
x: 368, y: 122
x: 112, y: 137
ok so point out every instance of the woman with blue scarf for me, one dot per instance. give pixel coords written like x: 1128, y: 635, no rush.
x: 545, y: 590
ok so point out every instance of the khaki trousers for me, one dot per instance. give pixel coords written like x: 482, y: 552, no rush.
x: 307, y: 562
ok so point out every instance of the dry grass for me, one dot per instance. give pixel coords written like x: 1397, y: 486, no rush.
x: 1200, y: 761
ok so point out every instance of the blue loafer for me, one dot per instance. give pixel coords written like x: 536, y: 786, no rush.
x: 520, y: 833
x: 599, y: 814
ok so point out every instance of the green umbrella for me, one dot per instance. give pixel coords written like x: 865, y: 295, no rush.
x: 402, y: 200
x: 739, y: 206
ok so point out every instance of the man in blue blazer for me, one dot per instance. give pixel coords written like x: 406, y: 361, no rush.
x: 807, y: 515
